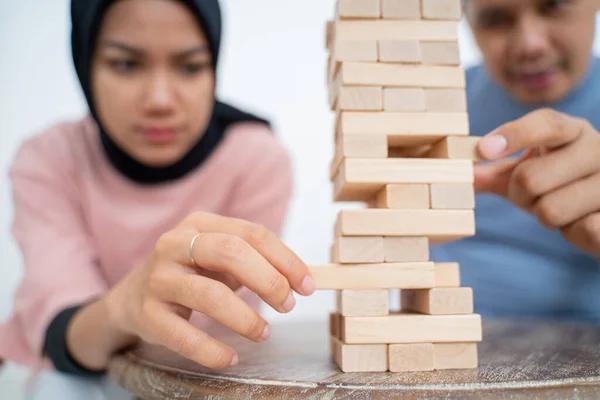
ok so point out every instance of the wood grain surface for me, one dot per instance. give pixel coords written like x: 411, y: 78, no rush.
x: 516, y: 360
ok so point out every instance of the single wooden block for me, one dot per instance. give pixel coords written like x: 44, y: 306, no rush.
x: 386, y: 29
x: 362, y: 303
x: 411, y: 357
x: 404, y: 123
x: 334, y: 324
x: 362, y: 146
x: 412, y: 328
x: 358, y: 146
x: 455, y: 355
x: 403, y: 51
x: 447, y: 274
x: 404, y: 99
x: 355, y: 50
x: 446, y: 100
x: 361, y: 179
x: 358, y: 9
x: 452, y: 196
x: 419, y: 275
x: 404, y: 128
x: 456, y: 148
x: 360, y: 98
x: 440, y: 224
x: 401, y: 9
x: 406, y: 249
x: 438, y: 301
x: 353, y: 250
x: 402, y: 75
x: 403, y: 196
x: 360, y: 358
x: 440, y: 53
x: 450, y: 10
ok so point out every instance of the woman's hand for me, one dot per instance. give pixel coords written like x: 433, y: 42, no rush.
x: 155, y: 300
x: 558, y: 178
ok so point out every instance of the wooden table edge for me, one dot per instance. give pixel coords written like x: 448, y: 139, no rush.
x: 142, y: 383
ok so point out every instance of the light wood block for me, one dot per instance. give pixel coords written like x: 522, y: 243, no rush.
x: 446, y: 100
x: 404, y: 99
x: 406, y: 249
x: 354, y: 250
x: 361, y: 179
x: 363, y: 146
x: 439, y: 224
x: 373, y: 276
x: 450, y: 10
x: 447, y: 274
x: 403, y: 196
x: 386, y: 29
x: 438, y: 301
x: 401, y: 9
x: 335, y: 324
x: 452, y: 196
x: 360, y: 98
x: 411, y: 357
x: 412, y: 328
x: 362, y: 303
x: 440, y: 53
x: 358, y: 146
x: 358, y: 8
x: 403, y: 123
x: 402, y: 75
x: 455, y: 356
x: 360, y: 358
x: 403, y: 51
x: 456, y: 148
x: 355, y: 50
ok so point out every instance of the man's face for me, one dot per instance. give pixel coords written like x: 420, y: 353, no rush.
x: 536, y: 49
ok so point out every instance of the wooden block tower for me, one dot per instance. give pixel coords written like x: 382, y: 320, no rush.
x: 403, y: 149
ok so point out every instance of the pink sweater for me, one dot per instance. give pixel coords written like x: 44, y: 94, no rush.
x: 81, y: 226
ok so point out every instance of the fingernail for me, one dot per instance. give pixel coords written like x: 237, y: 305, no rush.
x: 289, y: 303
x: 493, y: 145
x: 266, y: 333
x: 234, y: 360
x: 308, y: 285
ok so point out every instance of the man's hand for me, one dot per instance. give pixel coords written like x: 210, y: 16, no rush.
x: 557, y: 179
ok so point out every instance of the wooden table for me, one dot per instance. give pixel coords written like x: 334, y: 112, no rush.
x: 517, y: 360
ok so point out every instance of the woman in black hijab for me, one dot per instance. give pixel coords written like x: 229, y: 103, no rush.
x: 161, y: 213
x: 86, y: 19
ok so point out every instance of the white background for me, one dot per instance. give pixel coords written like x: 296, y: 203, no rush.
x: 273, y: 62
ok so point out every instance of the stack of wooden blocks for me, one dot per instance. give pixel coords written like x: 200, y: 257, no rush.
x: 403, y: 149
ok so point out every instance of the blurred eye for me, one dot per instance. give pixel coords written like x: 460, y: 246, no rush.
x: 548, y: 6
x: 494, y: 19
x: 124, y: 65
x: 194, y: 68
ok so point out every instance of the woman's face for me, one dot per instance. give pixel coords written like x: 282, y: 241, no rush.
x: 152, y: 79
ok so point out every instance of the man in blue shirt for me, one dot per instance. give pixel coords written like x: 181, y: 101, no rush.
x: 536, y: 99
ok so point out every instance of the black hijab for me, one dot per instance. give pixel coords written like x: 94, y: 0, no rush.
x: 86, y: 17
